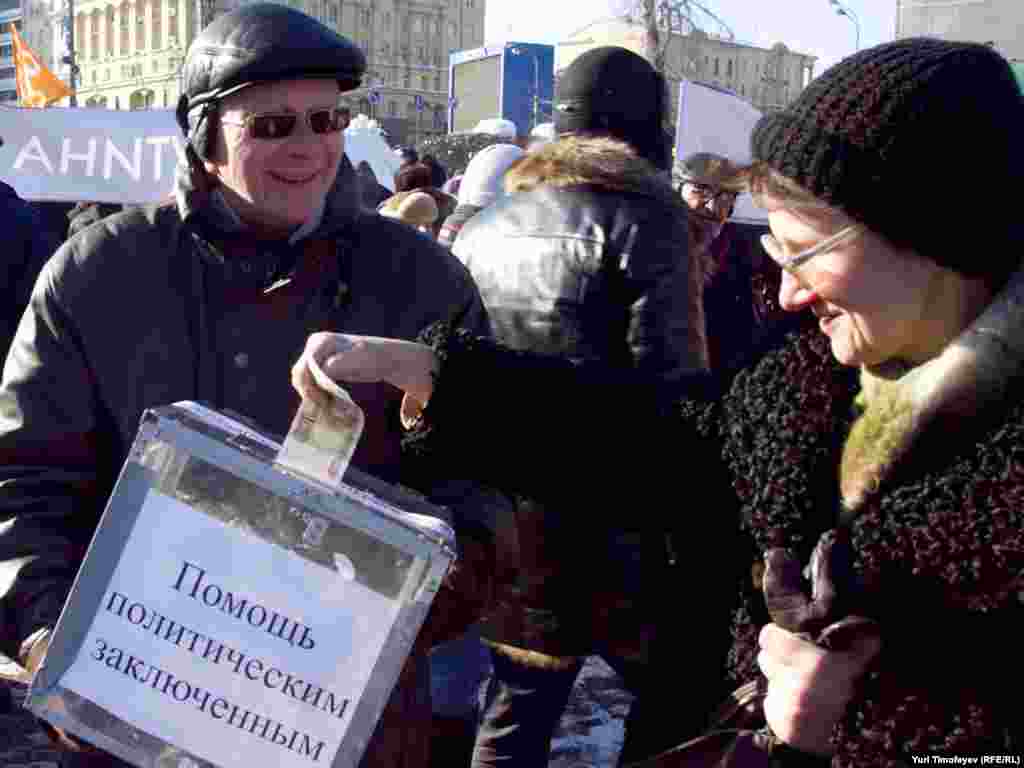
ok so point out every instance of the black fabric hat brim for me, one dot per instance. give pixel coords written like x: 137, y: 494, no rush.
x: 266, y: 42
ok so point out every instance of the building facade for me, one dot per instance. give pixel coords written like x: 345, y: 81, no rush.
x: 997, y: 22
x: 407, y: 46
x: 10, y: 13
x: 130, y: 52
x: 769, y: 78
x: 32, y: 20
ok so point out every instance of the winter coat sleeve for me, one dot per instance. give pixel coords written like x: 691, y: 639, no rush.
x: 472, y: 315
x: 29, y: 245
x: 478, y: 512
x: 595, y: 443
x: 526, y: 422
x: 53, y: 444
x: 667, y: 333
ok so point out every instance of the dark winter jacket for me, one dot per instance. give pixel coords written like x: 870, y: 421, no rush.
x: 924, y: 468
x: 56, y: 216
x: 28, y: 243
x: 84, y: 214
x: 141, y: 311
x: 588, y: 260
x: 373, y: 192
x: 438, y: 173
x: 741, y: 310
x: 622, y: 567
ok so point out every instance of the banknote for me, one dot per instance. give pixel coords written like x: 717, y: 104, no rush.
x: 323, y: 436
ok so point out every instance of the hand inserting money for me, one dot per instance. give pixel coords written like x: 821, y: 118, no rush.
x: 367, y: 359
x: 325, y: 431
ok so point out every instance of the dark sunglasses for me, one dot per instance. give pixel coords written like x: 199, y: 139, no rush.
x: 706, y: 192
x: 270, y: 126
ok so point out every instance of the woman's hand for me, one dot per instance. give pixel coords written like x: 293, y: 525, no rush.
x: 366, y: 359
x: 809, y: 687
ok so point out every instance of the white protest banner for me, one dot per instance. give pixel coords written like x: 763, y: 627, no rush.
x: 128, y: 157
x: 69, y: 154
x: 714, y: 120
x: 230, y: 647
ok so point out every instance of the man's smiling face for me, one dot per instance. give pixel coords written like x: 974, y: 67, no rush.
x: 277, y: 183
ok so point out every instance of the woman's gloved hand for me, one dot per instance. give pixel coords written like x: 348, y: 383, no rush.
x: 815, y: 652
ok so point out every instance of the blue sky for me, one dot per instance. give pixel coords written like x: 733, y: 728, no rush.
x: 808, y: 26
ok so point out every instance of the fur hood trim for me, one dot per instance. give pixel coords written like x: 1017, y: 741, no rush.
x: 600, y: 161
x: 948, y: 400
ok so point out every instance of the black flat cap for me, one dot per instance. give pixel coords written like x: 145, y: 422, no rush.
x: 265, y: 42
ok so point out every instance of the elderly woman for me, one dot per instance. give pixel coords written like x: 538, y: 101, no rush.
x: 886, y: 443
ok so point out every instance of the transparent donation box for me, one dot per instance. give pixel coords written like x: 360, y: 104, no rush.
x: 232, y: 613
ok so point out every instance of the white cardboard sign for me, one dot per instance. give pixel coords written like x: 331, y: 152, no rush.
x: 72, y: 154
x: 151, y: 653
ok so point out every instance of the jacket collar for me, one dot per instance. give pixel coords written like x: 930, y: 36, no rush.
x: 600, y: 161
x: 943, y: 403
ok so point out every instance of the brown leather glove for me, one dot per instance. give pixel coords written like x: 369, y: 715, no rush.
x: 828, y: 615
x: 823, y: 617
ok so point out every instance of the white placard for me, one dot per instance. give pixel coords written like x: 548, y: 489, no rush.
x: 106, y: 155
x: 178, y: 566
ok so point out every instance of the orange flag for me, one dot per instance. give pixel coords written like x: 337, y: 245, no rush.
x: 37, y: 86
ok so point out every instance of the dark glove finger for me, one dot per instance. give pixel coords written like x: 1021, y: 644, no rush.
x: 832, y: 579
x: 832, y: 585
x: 783, y: 585
x: 849, y: 634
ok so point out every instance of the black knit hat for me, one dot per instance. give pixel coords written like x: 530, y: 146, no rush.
x: 897, y: 135
x: 614, y: 91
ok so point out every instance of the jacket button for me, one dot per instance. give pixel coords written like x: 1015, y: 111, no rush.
x: 241, y: 360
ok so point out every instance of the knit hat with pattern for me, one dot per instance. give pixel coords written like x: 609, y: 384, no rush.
x: 898, y: 134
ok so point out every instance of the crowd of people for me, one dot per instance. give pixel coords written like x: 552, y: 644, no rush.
x: 772, y: 475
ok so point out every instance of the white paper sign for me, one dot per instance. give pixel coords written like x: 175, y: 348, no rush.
x: 68, y: 154
x: 713, y: 120
x: 272, y: 681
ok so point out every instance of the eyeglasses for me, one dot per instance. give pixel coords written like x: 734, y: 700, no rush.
x: 792, y: 262
x: 273, y: 126
x: 706, y: 192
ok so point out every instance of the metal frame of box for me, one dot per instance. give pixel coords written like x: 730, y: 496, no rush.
x: 364, y: 506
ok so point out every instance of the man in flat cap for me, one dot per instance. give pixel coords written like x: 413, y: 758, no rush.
x: 211, y: 298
